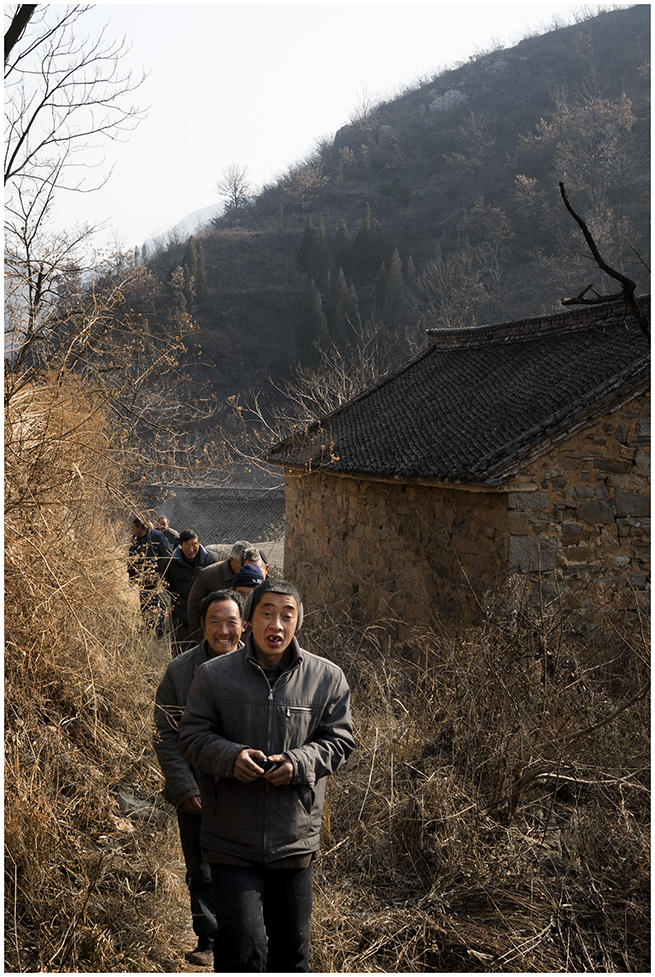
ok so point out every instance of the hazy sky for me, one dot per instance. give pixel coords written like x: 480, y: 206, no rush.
x: 261, y: 83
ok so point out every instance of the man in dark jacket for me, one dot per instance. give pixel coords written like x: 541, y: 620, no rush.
x: 147, y: 559
x: 222, y: 620
x: 263, y: 729
x: 165, y: 529
x: 188, y: 559
x: 217, y: 577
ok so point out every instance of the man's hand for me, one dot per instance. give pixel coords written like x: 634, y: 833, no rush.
x: 282, y: 775
x: 191, y: 805
x: 245, y: 765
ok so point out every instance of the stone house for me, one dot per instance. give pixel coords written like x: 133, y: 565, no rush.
x: 517, y: 451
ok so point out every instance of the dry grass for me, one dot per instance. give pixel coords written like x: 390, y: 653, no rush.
x: 494, y: 817
x: 496, y: 814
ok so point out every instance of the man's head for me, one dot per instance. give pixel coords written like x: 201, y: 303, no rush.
x: 274, y: 612
x: 246, y: 579
x: 139, y: 527
x: 255, y: 558
x: 189, y: 543
x: 162, y: 524
x: 236, y: 554
x: 221, y: 617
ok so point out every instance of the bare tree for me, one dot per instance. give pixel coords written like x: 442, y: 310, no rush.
x: 64, y: 95
x: 234, y: 186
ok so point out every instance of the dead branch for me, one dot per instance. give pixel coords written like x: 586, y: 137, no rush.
x: 628, y: 287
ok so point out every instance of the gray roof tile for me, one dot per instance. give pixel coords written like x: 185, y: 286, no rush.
x: 477, y: 399
x: 219, y: 514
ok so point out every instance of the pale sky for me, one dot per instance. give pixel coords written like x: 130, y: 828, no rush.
x: 260, y: 84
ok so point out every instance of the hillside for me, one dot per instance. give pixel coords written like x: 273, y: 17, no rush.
x: 458, y: 178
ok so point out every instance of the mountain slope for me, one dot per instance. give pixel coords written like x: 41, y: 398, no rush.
x: 458, y: 176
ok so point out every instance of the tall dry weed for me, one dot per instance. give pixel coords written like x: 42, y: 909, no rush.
x: 90, y: 861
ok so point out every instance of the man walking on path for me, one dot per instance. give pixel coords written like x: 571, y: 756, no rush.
x: 188, y: 559
x: 222, y: 619
x: 263, y: 728
x: 217, y: 577
x: 147, y: 559
x: 171, y: 535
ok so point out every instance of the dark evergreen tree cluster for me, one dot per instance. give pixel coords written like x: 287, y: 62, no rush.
x: 350, y: 280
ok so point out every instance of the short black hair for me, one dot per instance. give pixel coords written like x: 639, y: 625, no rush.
x: 139, y: 523
x: 188, y: 533
x: 274, y: 587
x: 220, y: 595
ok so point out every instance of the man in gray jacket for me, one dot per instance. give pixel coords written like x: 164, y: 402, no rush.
x: 222, y: 621
x: 218, y: 576
x: 263, y: 729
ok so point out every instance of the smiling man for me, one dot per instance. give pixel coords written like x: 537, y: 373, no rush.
x: 222, y: 621
x: 263, y: 729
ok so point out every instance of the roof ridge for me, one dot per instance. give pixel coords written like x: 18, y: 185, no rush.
x: 528, y: 328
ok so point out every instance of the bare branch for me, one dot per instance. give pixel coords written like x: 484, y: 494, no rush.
x: 18, y: 24
x: 628, y: 286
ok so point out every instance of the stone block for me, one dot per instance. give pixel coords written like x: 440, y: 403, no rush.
x: 525, y: 501
x: 601, y: 491
x: 597, y: 513
x: 638, y: 580
x: 519, y: 523
x: 531, y: 553
x: 621, y: 562
x: 643, y: 428
x: 642, y: 462
x: 538, y: 522
x: 610, y: 465
x: 622, y: 433
x: 629, y: 504
x: 582, y: 493
x: 641, y: 553
x: 633, y: 527
x: 573, y: 532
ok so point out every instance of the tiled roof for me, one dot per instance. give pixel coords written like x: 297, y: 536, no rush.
x: 478, y: 399
x: 219, y: 514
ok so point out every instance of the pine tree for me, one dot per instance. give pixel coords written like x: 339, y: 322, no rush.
x: 190, y: 266
x: 313, y: 327
x: 201, y: 275
x: 304, y: 253
x: 342, y: 246
x: 393, y: 294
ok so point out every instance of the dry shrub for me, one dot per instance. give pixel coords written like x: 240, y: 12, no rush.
x: 92, y: 871
x: 495, y: 814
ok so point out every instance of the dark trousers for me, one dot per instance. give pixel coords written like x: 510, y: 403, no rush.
x: 198, y: 879
x: 263, y: 917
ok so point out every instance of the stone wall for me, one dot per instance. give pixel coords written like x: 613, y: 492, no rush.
x: 577, y: 515
x: 587, y: 515
x: 381, y: 549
